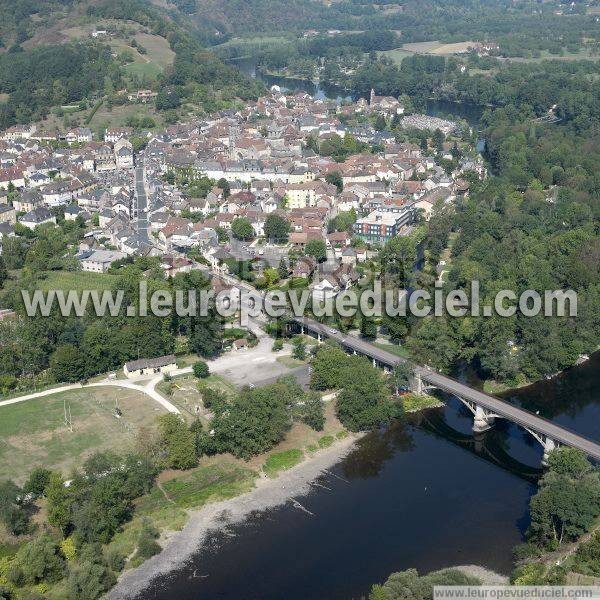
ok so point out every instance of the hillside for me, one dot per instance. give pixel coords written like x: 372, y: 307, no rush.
x: 52, y: 55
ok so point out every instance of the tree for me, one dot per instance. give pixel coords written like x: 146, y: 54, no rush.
x: 299, y: 351
x: 147, y: 546
x: 224, y: 185
x: 317, y: 249
x: 242, y: 228
x: 12, y: 512
x: 67, y: 363
x: 368, y: 328
x: 3, y: 272
x: 569, y: 462
x: 328, y: 368
x: 59, y: 503
x: 253, y: 422
x: 201, y: 370
x: 408, y: 585
x: 179, y: 442
x: 567, y: 501
x: 283, y: 268
x: 40, y: 561
x: 313, y: 411
x: 91, y: 576
x: 38, y: 481
x: 380, y: 123
x: 400, y: 377
x: 335, y: 178
x: 13, y: 252
x: 363, y: 401
x: 277, y: 229
x: 438, y: 139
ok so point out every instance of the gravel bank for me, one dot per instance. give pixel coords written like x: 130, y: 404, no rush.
x: 268, y: 493
x: 486, y: 576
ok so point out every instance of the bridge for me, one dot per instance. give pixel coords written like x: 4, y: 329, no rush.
x: 485, y: 408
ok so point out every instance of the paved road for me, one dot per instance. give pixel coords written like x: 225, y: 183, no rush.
x: 141, y: 201
x: 499, y: 407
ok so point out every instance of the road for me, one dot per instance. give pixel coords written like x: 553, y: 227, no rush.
x: 499, y: 407
x: 141, y: 201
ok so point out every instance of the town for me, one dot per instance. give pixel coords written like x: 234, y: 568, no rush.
x: 247, y: 185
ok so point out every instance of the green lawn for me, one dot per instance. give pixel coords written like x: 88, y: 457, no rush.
x: 33, y: 433
x: 209, y: 483
x: 401, y: 351
x: 397, y: 54
x: 282, y: 461
x: 414, y: 403
x: 76, y: 280
x: 143, y: 69
x: 289, y: 362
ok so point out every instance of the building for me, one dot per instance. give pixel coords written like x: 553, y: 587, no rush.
x: 124, y: 154
x: 378, y: 227
x: 36, y: 217
x: 100, y: 260
x: 8, y: 214
x: 150, y: 366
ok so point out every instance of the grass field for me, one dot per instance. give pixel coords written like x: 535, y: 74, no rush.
x: 118, y: 115
x: 290, y: 362
x: 210, y: 483
x: 585, y: 54
x: 396, y: 55
x: 393, y: 349
x: 77, y: 280
x: 33, y: 433
x: 185, y: 393
x: 282, y: 461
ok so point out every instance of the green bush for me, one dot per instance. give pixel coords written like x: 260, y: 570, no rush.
x: 201, y: 370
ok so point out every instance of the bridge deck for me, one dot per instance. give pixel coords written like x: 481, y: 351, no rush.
x: 499, y: 407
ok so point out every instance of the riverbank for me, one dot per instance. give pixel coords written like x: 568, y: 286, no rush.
x: 268, y: 493
x: 486, y: 576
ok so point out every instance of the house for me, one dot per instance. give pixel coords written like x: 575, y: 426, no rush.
x: 150, y: 366
x: 100, y: 260
x: 115, y: 134
x: 79, y: 135
x: 36, y: 217
x: 123, y: 154
x: 8, y: 214
x: 304, y: 267
x: 324, y: 290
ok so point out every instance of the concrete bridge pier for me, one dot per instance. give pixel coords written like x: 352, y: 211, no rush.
x: 415, y: 384
x: 549, y: 445
x: 482, y: 420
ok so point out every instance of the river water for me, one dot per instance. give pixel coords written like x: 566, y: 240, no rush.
x: 424, y: 493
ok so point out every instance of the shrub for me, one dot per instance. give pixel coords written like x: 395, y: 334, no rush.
x: 201, y: 370
x: 277, y: 345
x: 147, y: 544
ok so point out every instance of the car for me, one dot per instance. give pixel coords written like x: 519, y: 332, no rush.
x: 332, y: 331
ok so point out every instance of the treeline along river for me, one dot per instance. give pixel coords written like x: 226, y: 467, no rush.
x: 424, y: 493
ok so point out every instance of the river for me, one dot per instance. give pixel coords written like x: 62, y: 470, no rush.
x: 471, y: 113
x: 424, y: 493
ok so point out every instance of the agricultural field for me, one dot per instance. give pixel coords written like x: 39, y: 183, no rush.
x: 585, y: 54
x: 77, y: 280
x: 34, y: 433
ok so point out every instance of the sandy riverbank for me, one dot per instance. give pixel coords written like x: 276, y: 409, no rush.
x: 268, y: 493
